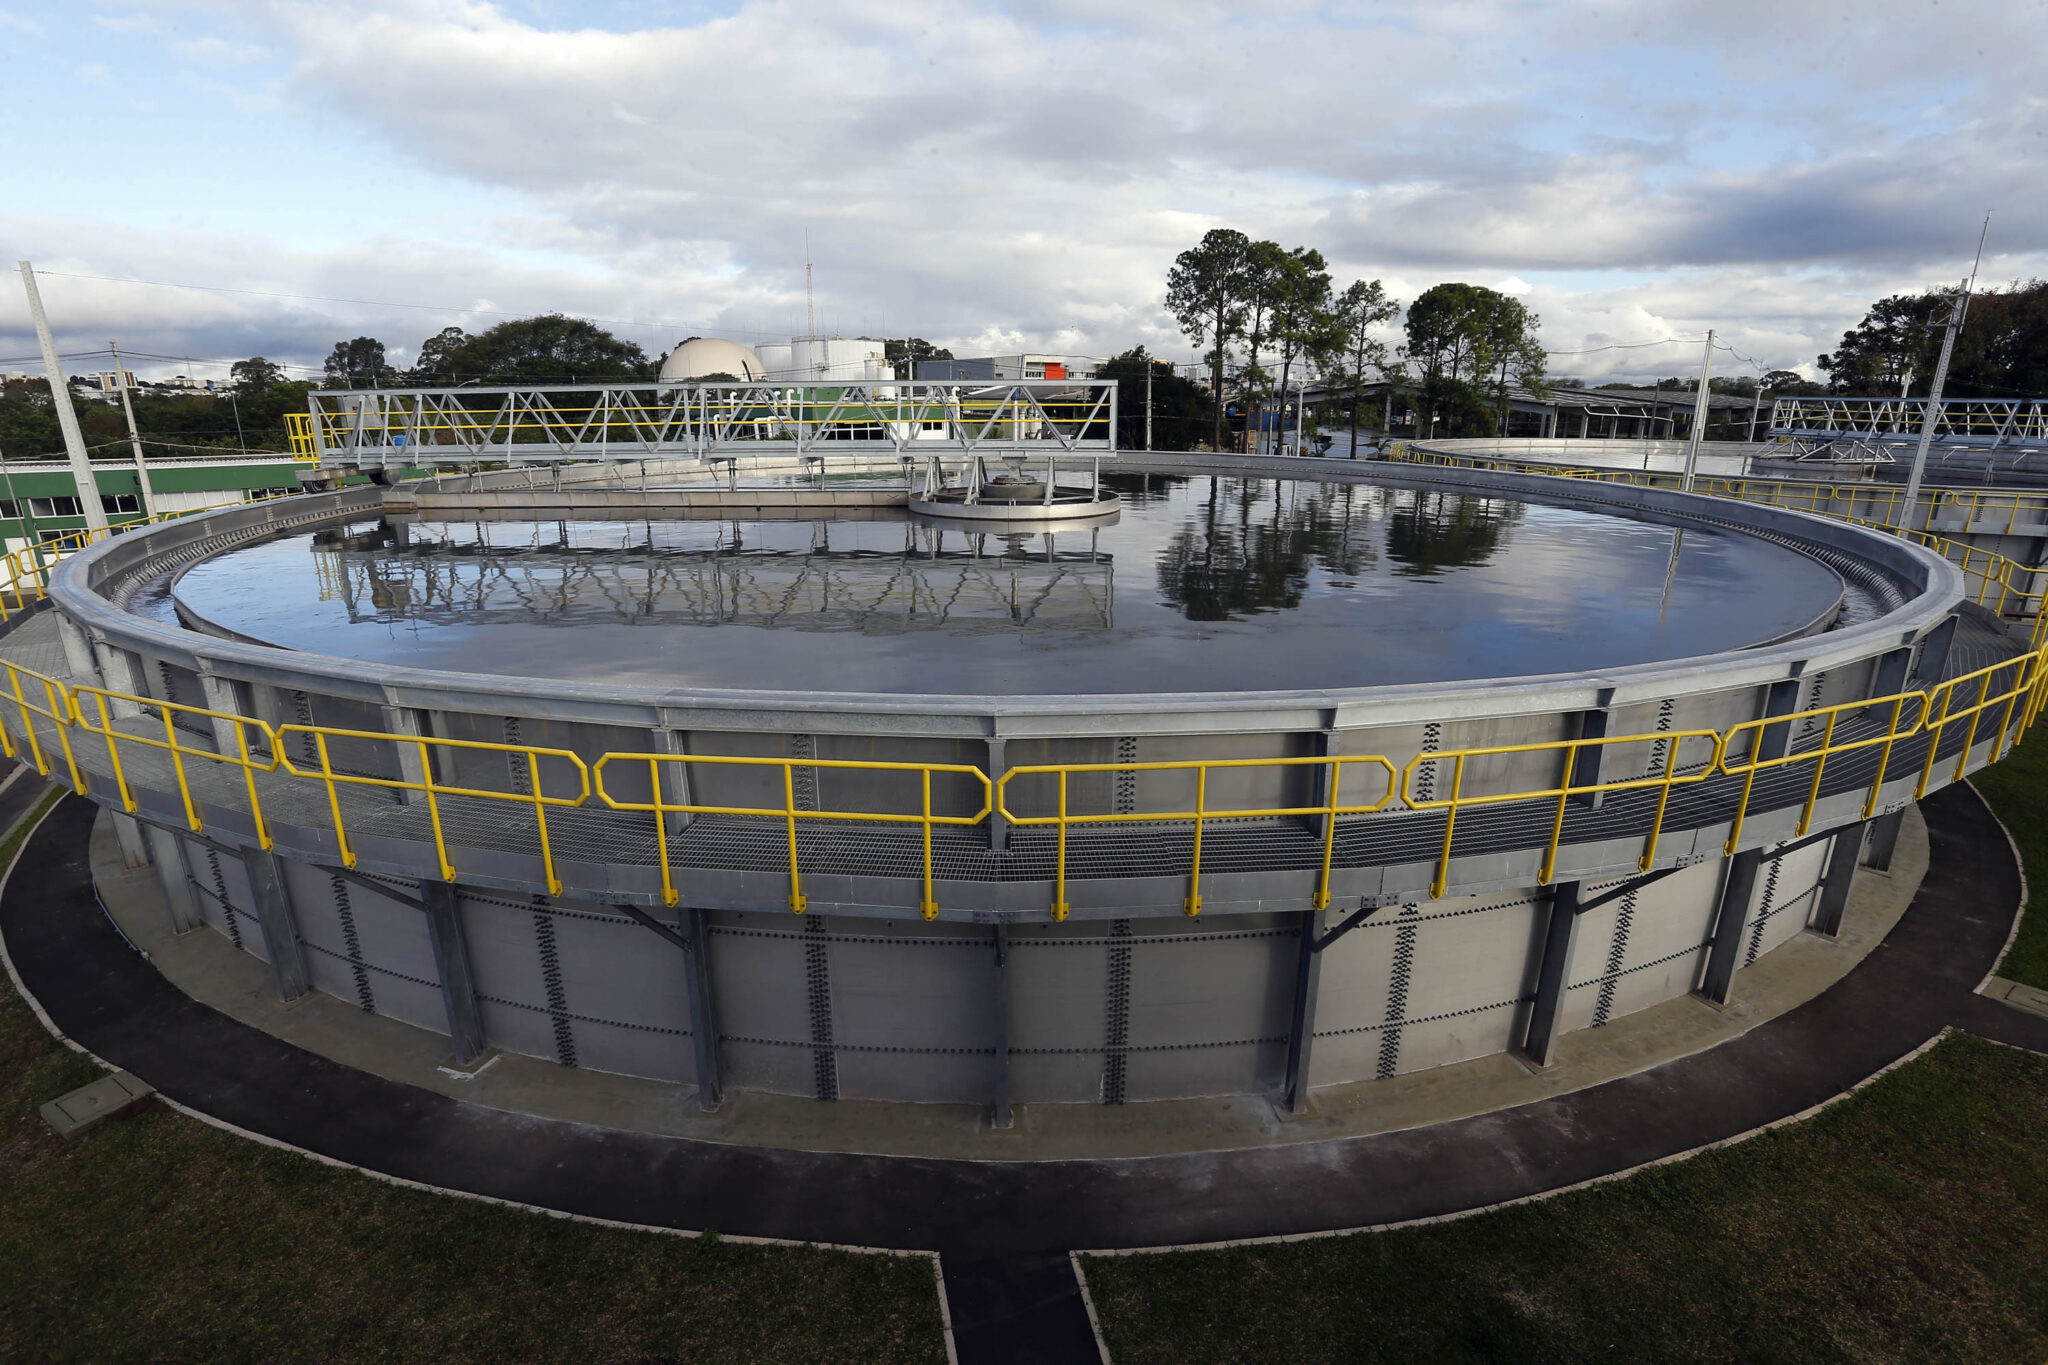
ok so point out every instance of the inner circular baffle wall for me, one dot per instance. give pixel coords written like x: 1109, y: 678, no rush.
x: 1128, y: 998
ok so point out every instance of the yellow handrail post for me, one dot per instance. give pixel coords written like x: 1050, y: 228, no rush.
x: 1884, y: 755
x: 540, y: 819
x: 1193, y: 903
x: 1820, y: 764
x: 1321, y: 900
x: 1059, y: 883
x: 28, y: 725
x: 58, y: 698
x: 2000, y: 743
x: 1748, y: 781
x: 348, y: 857
x: 1970, y: 735
x: 263, y: 838
x: 113, y: 753
x: 434, y: 810
x: 930, y: 906
x: 1548, y: 867
x: 178, y: 766
x: 796, y: 895
x: 661, y: 814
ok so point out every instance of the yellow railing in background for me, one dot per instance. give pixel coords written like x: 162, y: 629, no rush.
x: 2012, y: 679
x: 789, y: 813
x: 1746, y: 760
x: 424, y: 750
x: 1329, y: 809
x: 1567, y: 752
x: 107, y: 706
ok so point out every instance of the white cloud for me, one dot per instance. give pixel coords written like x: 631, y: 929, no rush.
x: 1001, y: 177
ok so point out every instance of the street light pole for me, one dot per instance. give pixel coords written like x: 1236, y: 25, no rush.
x: 1148, y: 401
x: 67, y: 418
x: 1699, y: 414
x: 1948, y: 346
x: 134, y: 439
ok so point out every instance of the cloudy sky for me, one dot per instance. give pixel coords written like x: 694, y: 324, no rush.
x: 1000, y: 177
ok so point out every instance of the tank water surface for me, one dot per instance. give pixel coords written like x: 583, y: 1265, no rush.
x: 1201, y: 585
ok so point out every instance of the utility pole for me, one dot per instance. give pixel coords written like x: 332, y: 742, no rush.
x: 1148, y: 400
x: 134, y: 440
x: 1699, y: 414
x: 1948, y: 346
x: 67, y: 419
x: 1754, y: 404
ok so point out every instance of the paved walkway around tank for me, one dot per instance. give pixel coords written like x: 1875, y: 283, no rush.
x: 1002, y: 1224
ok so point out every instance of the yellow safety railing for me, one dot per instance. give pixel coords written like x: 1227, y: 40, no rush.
x: 1999, y: 686
x: 56, y: 707
x: 1566, y: 753
x: 424, y: 749
x: 90, y: 702
x: 1750, y: 760
x: 789, y: 812
x: 1201, y: 814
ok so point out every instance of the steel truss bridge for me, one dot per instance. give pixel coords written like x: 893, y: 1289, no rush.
x: 1876, y: 428
x: 394, y: 428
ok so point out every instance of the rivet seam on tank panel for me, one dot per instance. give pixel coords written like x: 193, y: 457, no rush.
x: 345, y: 913
x: 583, y: 1018
x: 1617, y: 952
x: 1398, y: 1024
x: 1692, y: 951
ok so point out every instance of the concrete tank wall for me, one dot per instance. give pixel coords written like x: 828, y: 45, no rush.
x: 1099, y: 1012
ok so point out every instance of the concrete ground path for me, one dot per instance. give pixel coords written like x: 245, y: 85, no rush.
x: 1008, y: 1224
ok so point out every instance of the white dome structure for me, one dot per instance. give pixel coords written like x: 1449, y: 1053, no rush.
x: 700, y: 356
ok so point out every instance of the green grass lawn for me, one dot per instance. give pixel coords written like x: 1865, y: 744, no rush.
x: 156, y: 1237
x: 2017, y: 789
x: 1908, y: 1223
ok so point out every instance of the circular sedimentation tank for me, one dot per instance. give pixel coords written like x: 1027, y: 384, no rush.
x: 759, y: 780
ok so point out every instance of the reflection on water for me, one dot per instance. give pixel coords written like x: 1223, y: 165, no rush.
x: 1438, y: 531
x: 1203, y: 584
x: 779, y: 575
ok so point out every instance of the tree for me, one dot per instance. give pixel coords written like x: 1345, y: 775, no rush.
x: 359, y: 364
x: 1509, y: 349
x: 254, y: 375
x: 907, y: 351
x: 546, y: 349
x: 1205, y: 292
x: 1264, y: 272
x: 1304, y: 323
x: 1360, y: 309
x: 1179, y: 407
x: 433, y: 365
x: 1880, y: 355
x: 1458, y: 333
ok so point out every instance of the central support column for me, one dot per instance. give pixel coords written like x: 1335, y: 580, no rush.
x: 280, y: 931
x: 1000, y: 941
x: 1724, y: 950
x: 1301, y: 1026
x: 703, y: 1014
x: 1835, y: 883
x: 1553, y: 974
x: 451, y: 963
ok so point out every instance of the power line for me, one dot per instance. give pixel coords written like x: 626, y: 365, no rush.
x: 382, y: 303
x: 1631, y: 346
